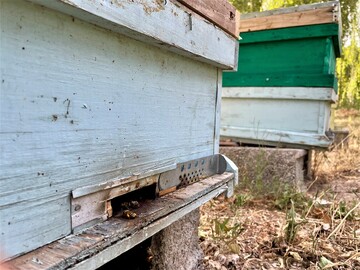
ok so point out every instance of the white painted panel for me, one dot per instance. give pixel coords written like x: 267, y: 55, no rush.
x: 218, y: 112
x: 81, y: 105
x: 17, y: 224
x: 161, y: 23
x: 327, y: 117
x: 275, y: 137
x: 304, y: 93
x: 279, y: 115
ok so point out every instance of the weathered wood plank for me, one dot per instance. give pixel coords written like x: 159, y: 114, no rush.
x: 115, y: 236
x: 222, y: 13
x: 297, y: 18
x: 123, y: 245
x: 138, y: 180
x: 184, y: 32
x: 279, y: 11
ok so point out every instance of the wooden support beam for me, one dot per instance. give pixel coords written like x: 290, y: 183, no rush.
x: 219, y: 12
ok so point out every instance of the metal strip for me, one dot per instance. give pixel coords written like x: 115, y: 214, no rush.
x: 192, y: 171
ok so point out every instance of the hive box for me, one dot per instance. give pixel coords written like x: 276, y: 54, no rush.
x: 96, y: 95
x: 285, y: 84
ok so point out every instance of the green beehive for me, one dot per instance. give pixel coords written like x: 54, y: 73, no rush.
x: 285, y: 83
x: 296, y: 56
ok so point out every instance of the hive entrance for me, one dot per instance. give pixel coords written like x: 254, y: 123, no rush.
x: 131, y: 201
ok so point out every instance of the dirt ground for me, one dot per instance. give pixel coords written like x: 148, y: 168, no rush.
x: 286, y: 229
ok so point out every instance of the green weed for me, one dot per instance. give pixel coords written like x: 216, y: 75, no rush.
x: 241, y: 199
x: 292, y: 225
x: 223, y: 231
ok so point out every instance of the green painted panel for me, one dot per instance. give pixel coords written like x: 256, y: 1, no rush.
x: 301, y: 32
x: 297, y: 56
x: 305, y: 56
x: 306, y: 80
x: 330, y: 59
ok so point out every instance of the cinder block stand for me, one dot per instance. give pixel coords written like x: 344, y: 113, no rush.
x: 270, y: 164
x: 177, y: 246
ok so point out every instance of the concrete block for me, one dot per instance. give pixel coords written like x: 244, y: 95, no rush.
x: 177, y: 246
x: 269, y: 164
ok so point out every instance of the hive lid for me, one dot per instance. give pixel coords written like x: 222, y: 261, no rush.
x: 193, y: 30
x: 219, y: 12
x: 306, y: 21
x: 320, y: 13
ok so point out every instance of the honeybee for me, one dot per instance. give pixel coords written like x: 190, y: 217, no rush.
x: 130, y: 205
x: 134, y: 204
x: 129, y: 214
x: 150, y: 255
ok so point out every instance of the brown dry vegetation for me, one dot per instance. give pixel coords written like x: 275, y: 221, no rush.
x: 282, y: 228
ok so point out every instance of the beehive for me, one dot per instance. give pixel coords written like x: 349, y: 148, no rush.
x: 99, y: 98
x: 285, y: 84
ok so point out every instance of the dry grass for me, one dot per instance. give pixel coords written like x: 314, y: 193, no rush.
x: 341, y: 161
x: 261, y: 242
x: 339, y: 169
x: 288, y: 229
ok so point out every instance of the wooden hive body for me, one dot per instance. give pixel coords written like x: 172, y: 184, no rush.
x: 282, y: 92
x: 94, y: 94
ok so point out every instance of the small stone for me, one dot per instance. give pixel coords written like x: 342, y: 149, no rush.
x: 233, y: 258
x: 221, y: 259
x: 296, y: 256
x: 326, y: 226
x: 215, y: 264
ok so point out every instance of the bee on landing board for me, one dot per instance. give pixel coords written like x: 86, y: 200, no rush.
x: 129, y: 214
